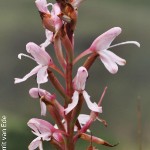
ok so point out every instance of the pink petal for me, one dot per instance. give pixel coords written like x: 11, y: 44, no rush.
x: 103, y: 41
x: 80, y: 79
x: 42, y: 6
x: 49, y: 38
x: 39, y: 125
x: 92, y: 106
x: 116, y: 58
x: 110, y: 64
x: 36, y: 93
x: 43, y: 108
x: 55, y: 9
x: 74, y: 103
x: 35, y: 144
x: 42, y: 75
x: 40, y: 56
x: 83, y: 118
x: 31, y: 73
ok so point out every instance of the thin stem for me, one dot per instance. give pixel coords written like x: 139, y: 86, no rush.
x: 58, y: 120
x: 68, y: 47
x: 86, y: 52
x: 139, y: 117
x: 53, y: 66
x: 57, y: 84
x: 90, y: 60
x: 59, y: 53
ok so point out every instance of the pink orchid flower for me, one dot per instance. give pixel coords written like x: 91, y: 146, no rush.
x: 51, y: 21
x: 38, y: 93
x: 44, y: 132
x: 79, y: 86
x: 43, y: 60
x: 101, y: 45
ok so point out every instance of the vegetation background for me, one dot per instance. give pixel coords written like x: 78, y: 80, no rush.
x: 20, y: 23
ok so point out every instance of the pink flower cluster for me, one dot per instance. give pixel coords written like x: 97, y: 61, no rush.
x: 59, y: 25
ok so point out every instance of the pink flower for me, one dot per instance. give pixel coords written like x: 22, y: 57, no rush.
x: 79, y: 86
x: 101, y: 45
x: 38, y: 93
x: 44, y: 132
x: 43, y: 60
x: 51, y: 21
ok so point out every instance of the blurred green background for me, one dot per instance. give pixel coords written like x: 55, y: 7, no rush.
x: 20, y: 23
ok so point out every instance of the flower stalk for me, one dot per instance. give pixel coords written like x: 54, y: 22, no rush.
x: 70, y: 125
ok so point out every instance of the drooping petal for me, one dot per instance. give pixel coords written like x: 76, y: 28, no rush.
x: 115, y: 58
x: 41, y: 146
x: 40, y: 56
x: 103, y: 41
x: 42, y: 6
x: 92, y: 106
x: 110, y: 64
x: 43, y: 108
x: 80, y: 79
x: 31, y: 73
x: 35, y: 144
x: 49, y: 38
x: 42, y: 75
x: 74, y: 103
